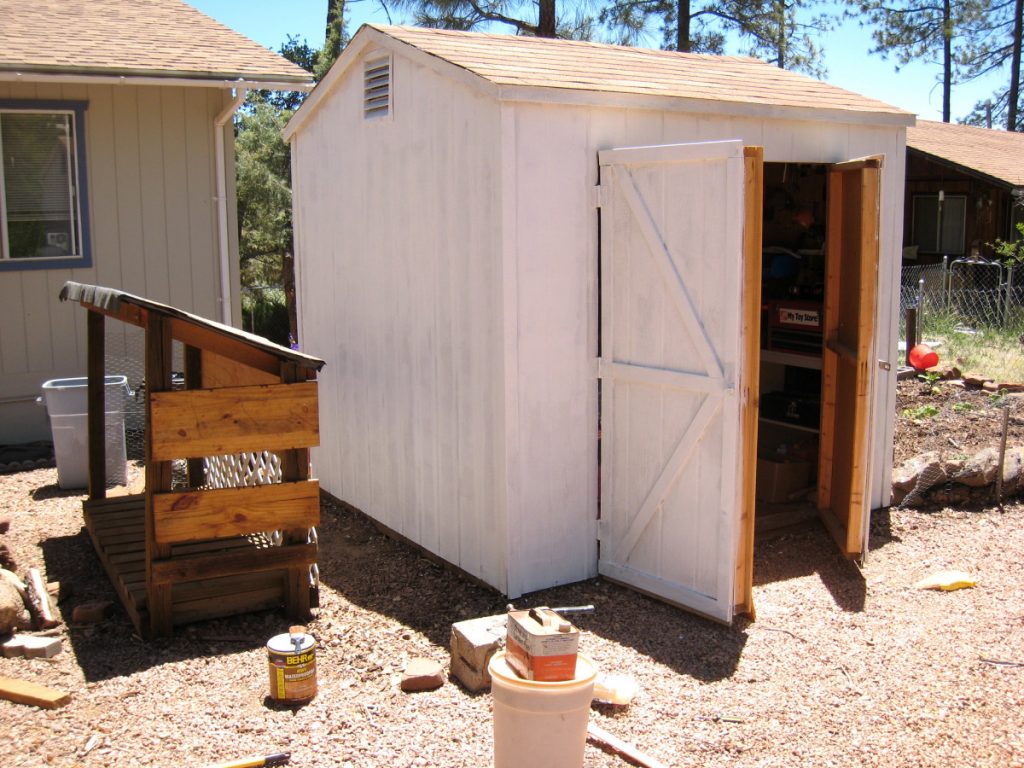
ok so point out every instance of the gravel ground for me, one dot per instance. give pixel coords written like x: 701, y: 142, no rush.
x: 843, y: 667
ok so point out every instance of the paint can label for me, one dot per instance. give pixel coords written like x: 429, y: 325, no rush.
x: 292, y: 665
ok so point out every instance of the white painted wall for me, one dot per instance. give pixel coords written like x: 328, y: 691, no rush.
x: 399, y: 283
x: 555, y: 169
x: 447, y: 262
x: 150, y: 167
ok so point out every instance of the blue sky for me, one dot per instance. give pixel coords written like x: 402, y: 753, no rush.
x: 846, y: 51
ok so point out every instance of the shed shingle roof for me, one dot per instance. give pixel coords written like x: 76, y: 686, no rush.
x: 596, y: 67
x: 152, y: 38
x: 997, y: 154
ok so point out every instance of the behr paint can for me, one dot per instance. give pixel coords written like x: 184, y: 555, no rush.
x: 292, y: 663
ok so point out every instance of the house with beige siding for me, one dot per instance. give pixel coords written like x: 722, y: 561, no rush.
x: 117, y: 146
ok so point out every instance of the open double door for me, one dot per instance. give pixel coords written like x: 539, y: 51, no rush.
x: 680, y: 343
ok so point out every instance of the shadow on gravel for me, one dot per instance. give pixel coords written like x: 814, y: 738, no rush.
x: 110, y: 648
x: 807, y: 550
x: 54, y: 491
x: 395, y: 579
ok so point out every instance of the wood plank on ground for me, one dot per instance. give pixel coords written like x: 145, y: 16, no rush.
x: 26, y: 692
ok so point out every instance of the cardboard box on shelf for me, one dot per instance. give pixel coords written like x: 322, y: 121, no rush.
x: 776, y: 480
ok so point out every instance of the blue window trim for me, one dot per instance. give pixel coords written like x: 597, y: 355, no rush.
x: 84, y: 261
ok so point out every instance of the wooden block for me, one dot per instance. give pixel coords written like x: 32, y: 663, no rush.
x: 473, y: 643
x: 92, y: 612
x: 213, y: 422
x: 24, y: 692
x: 40, y: 599
x: 198, y: 515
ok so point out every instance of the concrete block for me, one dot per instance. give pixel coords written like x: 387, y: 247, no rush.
x: 32, y: 647
x: 473, y: 643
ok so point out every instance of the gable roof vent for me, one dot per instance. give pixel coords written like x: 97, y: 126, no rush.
x: 377, y: 88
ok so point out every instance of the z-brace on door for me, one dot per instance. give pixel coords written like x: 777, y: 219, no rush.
x: 671, y: 350
x: 851, y: 288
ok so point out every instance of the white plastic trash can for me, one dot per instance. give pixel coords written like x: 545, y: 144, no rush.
x: 67, y: 405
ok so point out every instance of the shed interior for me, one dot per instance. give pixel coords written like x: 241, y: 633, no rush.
x: 792, y: 313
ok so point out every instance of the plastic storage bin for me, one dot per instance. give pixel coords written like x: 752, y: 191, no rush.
x: 66, y: 403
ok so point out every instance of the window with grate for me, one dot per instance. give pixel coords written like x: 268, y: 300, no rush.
x: 377, y: 88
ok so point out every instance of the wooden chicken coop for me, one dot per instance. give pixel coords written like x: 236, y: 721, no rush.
x: 226, y: 523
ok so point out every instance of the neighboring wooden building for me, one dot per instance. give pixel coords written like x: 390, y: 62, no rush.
x: 198, y: 543
x: 536, y: 267
x: 116, y: 134
x: 964, y: 186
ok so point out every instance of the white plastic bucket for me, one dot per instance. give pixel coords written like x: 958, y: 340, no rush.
x: 540, y: 724
x: 67, y: 406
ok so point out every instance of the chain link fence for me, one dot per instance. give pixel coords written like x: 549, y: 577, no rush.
x: 968, y: 294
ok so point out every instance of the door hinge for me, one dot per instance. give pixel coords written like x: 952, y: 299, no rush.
x: 597, y: 193
x: 885, y: 365
x: 602, y: 529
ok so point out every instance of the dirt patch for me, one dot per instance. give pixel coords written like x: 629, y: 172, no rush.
x: 956, y: 421
x: 844, y: 667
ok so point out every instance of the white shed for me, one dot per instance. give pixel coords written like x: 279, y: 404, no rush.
x: 555, y: 280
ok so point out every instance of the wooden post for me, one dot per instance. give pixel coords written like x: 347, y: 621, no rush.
x: 96, y: 420
x: 753, y: 163
x: 295, y: 467
x: 911, y: 331
x: 194, y: 380
x: 158, y: 473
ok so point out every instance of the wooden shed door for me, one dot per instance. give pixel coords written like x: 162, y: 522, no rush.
x: 671, y: 311
x: 850, y: 298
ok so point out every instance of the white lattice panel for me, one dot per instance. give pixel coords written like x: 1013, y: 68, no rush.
x: 242, y: 470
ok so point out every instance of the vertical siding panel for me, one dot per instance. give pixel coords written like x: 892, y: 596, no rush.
x: 13, y: 327
x: 202, y: 233
x: 175, y: 188
x: 556, y: 255
x: 129, y: 190
x: 151, y: 193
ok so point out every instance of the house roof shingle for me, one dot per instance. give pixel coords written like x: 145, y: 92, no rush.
x: 993, y: 153
x: 141, y: 38
x: 508, y: 60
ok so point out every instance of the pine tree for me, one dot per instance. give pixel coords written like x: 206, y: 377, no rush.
x: 940, y: 32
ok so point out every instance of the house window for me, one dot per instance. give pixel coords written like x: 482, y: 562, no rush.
x: 938, y: 225
x: 43, y: 210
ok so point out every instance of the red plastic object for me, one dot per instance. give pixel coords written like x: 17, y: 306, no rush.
x: 922, y: 357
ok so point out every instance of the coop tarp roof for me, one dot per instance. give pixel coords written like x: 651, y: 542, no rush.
x: 154, y: 38
x: 110, y: 299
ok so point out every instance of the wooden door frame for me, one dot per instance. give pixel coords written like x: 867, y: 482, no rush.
x: 750, y: 372
x: 847, y: 527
